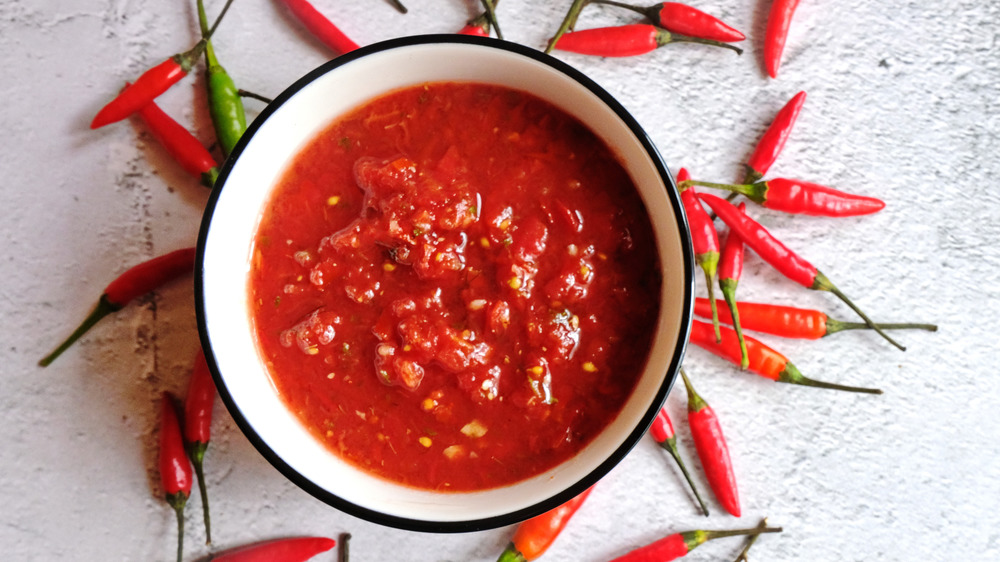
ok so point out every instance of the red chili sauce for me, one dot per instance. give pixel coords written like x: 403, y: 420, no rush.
x: 455, y: 286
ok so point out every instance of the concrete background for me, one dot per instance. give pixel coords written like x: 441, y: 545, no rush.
x: 903, y: 105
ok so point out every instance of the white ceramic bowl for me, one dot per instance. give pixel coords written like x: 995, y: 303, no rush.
x: 231, y: 220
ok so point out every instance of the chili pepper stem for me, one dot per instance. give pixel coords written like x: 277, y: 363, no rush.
x: 196, y: 451
x: 491, y: 15
x: 511, y: 554
x: 670, y: 445
x: 790, y: 374
x: 218, y: 20
x: 399, y: 6
x: 663, y: 37
x: 103, y: 308
x: 694, y: 539
x: 695, y: 402
x: 728, y: 287
x: 834, y: 326
x: 345, y: 547
x: 177, y: 502
x: 822, y: 283
x: 567, y: 24
x: 742, y: 557
x: 752, y: 191
x: 709, y: 266
x: 252, y: 95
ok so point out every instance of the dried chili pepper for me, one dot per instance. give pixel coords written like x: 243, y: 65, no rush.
x: 778, y: 21
x: 801, y: 197
x: 704, y: 237
x: 764, y: 360
x: 135, y: 282
x: 154, y: 81
x: 320, y: 26
x: 742, y: 556
x: 198, y: 428
x: 534, y: 536
x: 730, y: 269
x: 662, y: 432
x: 793, y: 322
x: 712, y: 449
x: 672, y: 547
x: 296, y: 549
x: 224, y: 102
x: 774, y: 139
x: 626, y: 40
x: 788, y: 263
x: 175, y: 468
x: 681, y: 18
x: 182, y: 146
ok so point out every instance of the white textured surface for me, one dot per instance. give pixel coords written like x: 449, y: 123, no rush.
x: 902, y: 105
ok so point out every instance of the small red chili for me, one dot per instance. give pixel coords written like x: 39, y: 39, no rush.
x: 778, y: 22
x: 534, y: 536
x: 672, y: 547
x: 182, y: 146
x: 774, y: 139
x: 296, y: 549
x: 792, y: 322
x: 154, y: 81
x: 730, y: 269
x: 704, y: 237
x: 626, y: 40
x: 135, y: 282
x: 764, y: 361
x: 713, y: 452
x: 320, y: 26
x: 198, y: 406
x: 175, y: 468
x: 801, y: 197
x: 662, y: 432
x: 788, y: 263
x: 681, y: 18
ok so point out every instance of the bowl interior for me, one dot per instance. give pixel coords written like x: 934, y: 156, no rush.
x: 256, y: 165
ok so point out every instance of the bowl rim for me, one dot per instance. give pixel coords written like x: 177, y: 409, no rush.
x: 465, y: 525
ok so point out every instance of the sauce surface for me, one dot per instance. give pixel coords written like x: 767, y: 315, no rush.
x: 455, y: 286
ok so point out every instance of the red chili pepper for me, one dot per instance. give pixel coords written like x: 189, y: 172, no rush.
x: 774, y: 139
x: 778, y: 22
x: 730, y: 269
x: 764, y: 360
x: 154, y: 81
x: 801, y: 198
x: 175, y: 468
x: 683, y: 19
x: 297, y: 549
x: 788, y: 263
x: 792, y: 322
x: 198, y: 427
x: 677, y: 545
x: 704, y: 237
x: 320, y: 26
x: 662, y: 432
x: 626, y: 40
x: 180, y: 144
x: 135, y: 282
x: 712, y: 450
x: 534, y: 536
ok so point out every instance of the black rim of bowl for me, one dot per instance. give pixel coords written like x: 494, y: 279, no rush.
x: 553, y: 501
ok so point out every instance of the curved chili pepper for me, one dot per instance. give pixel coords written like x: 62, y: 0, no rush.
x: 182, y: 146
x: 778, y: 22
x: 662, y: 432
x: 534, y: 536
x: 712, y: 450
x: 626, y: 40
x: 704, y: 237
x: 198, y: 428
x: 320, y: 26
x: 792, y: 322
x: 730, y: 269
x: 683, y: 19
x: 801, y: 197
x: 135, y: 282
x: 224, y: 102
x: 774, y: 139
x: 764, y: 360
x: 297, y: 549
x: 175, y: 468
x: 788, y: 263
x: 672, y: 547
x: 154, y: 81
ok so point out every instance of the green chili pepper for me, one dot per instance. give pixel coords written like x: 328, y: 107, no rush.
x: 224, y: 102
